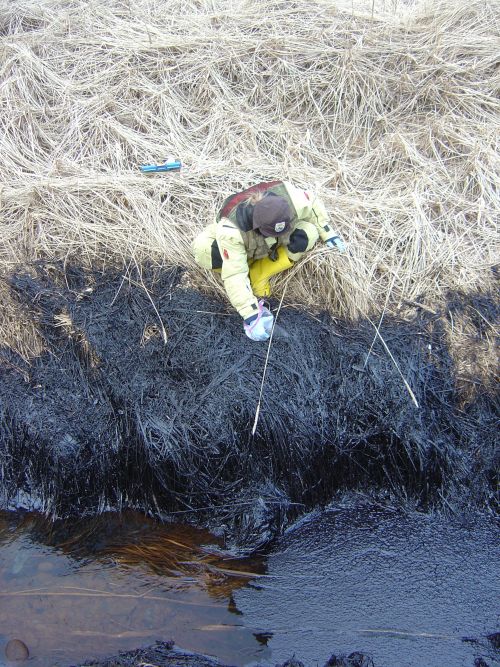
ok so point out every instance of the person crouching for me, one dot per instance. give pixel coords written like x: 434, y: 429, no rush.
x: 258, y: 233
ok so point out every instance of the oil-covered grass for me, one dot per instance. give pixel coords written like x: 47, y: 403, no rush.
x: 147, y: 391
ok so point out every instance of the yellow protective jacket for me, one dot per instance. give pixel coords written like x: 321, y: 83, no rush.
x: 239, y: 245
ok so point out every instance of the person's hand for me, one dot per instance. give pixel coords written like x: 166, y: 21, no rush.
x: 337, y: 243
x: 258, y: 327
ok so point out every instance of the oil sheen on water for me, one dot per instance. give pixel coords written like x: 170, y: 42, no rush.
x: 410, y: 591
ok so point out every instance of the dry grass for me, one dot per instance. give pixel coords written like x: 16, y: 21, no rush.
x: 389, y: 109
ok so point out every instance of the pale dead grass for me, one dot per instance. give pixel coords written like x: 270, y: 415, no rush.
x: 388, y: 109
x: 19, y: 332
x: 475, y: 355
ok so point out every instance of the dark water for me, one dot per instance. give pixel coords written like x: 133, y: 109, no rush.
x: 405, y: 589
x: 89, y: 590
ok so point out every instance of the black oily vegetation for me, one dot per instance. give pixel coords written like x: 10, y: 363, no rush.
x: 164, y: 654
x: 112, y: 416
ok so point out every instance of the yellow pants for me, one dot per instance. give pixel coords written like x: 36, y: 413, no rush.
x: 207, y: 255
x: 263, y: 269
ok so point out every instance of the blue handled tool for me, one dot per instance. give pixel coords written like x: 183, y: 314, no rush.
x: 168, y: 165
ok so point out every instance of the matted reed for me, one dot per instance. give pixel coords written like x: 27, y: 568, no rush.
x: 388, y: 110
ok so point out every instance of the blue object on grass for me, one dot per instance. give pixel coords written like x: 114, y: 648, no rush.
x: 168, y: 165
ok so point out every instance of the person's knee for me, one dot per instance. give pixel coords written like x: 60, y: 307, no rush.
x: 263, y: 269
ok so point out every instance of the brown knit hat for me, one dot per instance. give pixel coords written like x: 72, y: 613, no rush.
x: 271, y: 216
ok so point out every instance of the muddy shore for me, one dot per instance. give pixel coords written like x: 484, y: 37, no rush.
x: 164, y: 654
